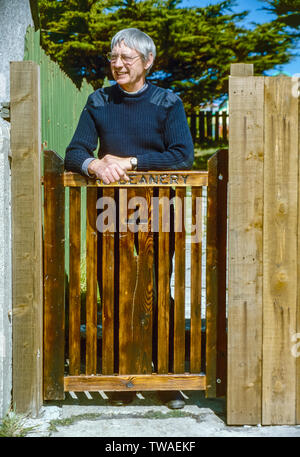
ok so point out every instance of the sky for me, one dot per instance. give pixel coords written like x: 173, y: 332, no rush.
x: 256, y: 14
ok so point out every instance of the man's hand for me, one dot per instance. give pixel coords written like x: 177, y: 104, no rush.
x: 110, y: 169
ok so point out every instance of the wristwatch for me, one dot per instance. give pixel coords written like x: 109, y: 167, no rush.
x: 133, y: 161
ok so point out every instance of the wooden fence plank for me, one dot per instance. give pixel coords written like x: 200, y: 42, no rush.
x: 221, y: 368
x: 136, y: 288
x: 246, y: 145
x: 196, y: 281
x: 212, y: 277
x: 216, y: 336
x: 108, y: 290
x: 163, y: 299
x: 280, y: 252
x: 27, y: 293
x: 54, y: 276
x: 179, y: 302
x: 217, y: 125
x: 142, y: 301
x: 143, y: 179
x: 91, y: 282
x: 135, y: 383
x: 201, y: 126
x: 74, y: 281
x: 209, y: 124
x: 127, y: 274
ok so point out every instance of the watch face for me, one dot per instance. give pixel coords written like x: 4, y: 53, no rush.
x: 134, y: 162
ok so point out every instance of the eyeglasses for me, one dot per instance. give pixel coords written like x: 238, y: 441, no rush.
x: 128, y: 60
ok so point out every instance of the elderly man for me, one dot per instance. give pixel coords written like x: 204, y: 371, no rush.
x: 140, y: 126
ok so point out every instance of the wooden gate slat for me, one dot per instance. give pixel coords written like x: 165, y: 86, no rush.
x: 91, y: 282
x: 136, y: 288
x: 74, y: 281
x: 54, y: 277
x: 163, y: 299
x: 128, y: 272
x: 196, y: 285
x: 212, y: 278
x: 142, y: 303
x: 108, y: 293
x: 221, y: 368
x: 179, y: 302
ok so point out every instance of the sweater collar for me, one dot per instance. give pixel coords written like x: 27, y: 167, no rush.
x: 134, y: 93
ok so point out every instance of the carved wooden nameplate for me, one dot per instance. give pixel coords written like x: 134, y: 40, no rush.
x: 150, y: 178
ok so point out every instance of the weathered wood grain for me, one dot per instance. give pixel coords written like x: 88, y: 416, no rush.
x: 27, y: 293
x: 179, y: 298
x: 280, y: 251
x: 196, y: 280
x: 108, y: 290
x: 74, y: 281
x: 246, y: 152
x: 136, y: 287
x: 134, y: 383
x: 163, y: 299
x: 54, y: 277
x: 150, y: 178
x: 127, y: 283
x: 91, y: 282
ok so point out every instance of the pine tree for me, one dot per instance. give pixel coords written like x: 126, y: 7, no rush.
x: 195, y: 46
x: 287, y: 11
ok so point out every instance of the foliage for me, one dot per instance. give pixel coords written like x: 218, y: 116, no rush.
x: 13, y: 425
x: 195, y: 46
x: 287, y: 11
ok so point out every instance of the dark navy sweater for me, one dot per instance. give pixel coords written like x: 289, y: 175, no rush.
x: 150, y: 125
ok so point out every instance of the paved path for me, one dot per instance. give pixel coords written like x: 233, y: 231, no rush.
x: 89, y: 415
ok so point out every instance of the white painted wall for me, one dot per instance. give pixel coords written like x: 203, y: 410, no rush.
x: 5, y: 271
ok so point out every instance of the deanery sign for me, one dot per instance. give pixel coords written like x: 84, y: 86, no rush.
x: 152, y: 179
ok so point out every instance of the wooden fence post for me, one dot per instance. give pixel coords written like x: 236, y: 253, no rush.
x: 216, y: 337
x: 245, y: 260
x: 281, y: 193
x: 54, y: 276
x: 26, y: 237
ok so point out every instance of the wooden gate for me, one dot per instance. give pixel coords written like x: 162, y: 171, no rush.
x: 133, y: 328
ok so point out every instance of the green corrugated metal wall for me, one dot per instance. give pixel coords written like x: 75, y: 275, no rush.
x: 61, y: 105
x: 61, y: 101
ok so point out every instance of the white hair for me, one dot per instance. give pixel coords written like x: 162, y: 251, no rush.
x: 138, y: 40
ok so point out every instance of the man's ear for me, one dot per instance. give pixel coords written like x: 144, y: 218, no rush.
x: 149, y: 61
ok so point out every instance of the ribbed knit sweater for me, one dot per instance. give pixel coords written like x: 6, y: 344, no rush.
x: 150, y: 125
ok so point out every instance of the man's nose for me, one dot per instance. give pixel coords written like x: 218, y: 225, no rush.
x: 118, y: 62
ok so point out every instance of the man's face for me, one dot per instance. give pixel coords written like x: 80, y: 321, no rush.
x: 129, y: 75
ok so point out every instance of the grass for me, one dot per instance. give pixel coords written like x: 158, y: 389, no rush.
x: 203, y: 153
x: 94, y: 416
x: 71, y: 420
x: 13, y: 425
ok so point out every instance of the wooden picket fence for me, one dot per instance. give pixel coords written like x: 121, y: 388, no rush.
x: 208, y: 126
x: 134, y: 338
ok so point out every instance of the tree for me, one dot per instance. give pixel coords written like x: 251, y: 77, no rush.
x: 195, y: 46
x: 287, y: 11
